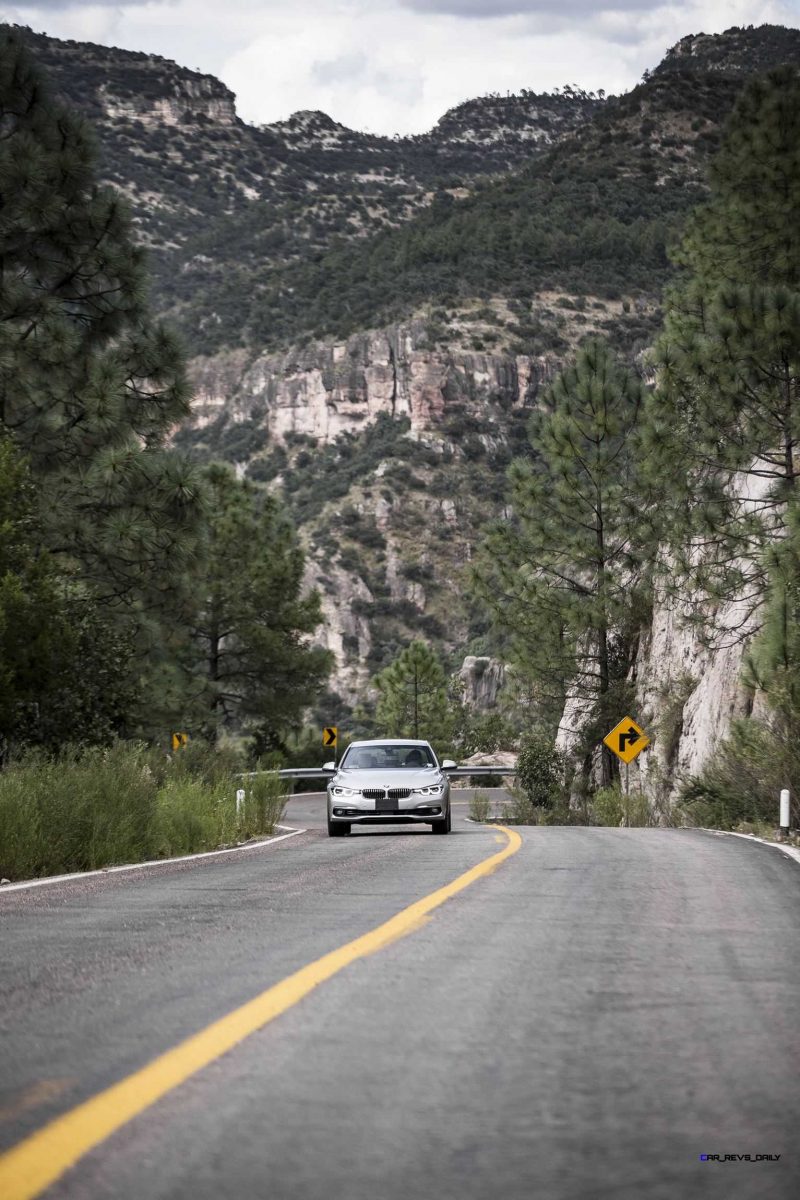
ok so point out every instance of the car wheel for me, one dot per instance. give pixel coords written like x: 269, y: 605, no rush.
x: 442, y: 826
x: 338, y: 828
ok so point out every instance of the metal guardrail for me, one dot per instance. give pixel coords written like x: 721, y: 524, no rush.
x: 290, y: 774
x: 464, y: 772
x: 319, y: 773
x: 305, y: 773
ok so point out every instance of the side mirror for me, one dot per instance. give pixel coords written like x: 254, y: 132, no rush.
x: 329, y: 766
x: 449, y: 765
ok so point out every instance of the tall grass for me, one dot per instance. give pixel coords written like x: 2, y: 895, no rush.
x: 610, y: 806
x: 94, y: 808
x: 480, y: 807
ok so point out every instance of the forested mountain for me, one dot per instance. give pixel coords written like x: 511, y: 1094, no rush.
x: 252, y: 230
x: 224, y: 204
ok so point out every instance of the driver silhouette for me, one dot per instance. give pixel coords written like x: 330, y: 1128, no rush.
x: 414, y: 758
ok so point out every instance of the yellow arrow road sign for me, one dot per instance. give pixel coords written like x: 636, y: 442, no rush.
x: 179, y: 740
x: 627, y: 740
x: 329, y: 735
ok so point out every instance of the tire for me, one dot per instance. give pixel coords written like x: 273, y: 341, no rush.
x: 442, y: 826
x: 338, y: 828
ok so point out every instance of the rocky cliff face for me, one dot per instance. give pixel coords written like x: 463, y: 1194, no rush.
x: 688, y: 688
x: 391, y: 455
x: 188, y: 101
x: 329, y: 389
x: 686, y: 696
x: 108, y: 84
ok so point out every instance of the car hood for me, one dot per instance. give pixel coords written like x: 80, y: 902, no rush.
x: 405, y: 777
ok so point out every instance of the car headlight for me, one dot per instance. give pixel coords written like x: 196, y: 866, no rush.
x: 433, y: 789
x: 338, y: 790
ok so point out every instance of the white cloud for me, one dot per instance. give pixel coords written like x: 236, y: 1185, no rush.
x: 397, y: 65
x: 409, y: 67
x: 489, y: 9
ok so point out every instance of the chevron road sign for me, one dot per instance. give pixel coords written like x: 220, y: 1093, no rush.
x: 627, y: 740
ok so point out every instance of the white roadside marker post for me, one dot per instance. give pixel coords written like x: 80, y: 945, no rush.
x: 239, y: 803
x: 784, y: 815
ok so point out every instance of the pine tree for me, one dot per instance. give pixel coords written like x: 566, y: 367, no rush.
x: 412, y: 695
x: 248, y: 620
x: 566, y: 578
x: 772, y: 664
x: 89, y: 387
x: 66, y: 672
x: 724, y: 425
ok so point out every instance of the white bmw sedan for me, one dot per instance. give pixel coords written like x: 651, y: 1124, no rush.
x: 397, y: 782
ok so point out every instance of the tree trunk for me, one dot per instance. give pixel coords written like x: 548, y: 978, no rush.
x: 788, y: 430
x: 606, y: 761
x: 213, y: 676
x: 606, y: 764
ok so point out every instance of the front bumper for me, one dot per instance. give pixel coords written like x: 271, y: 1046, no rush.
x: 434, y: 810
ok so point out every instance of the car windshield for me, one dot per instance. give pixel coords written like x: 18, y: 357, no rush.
x: 388, y: 758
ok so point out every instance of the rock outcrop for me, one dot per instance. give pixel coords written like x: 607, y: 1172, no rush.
x: 688, y: 692
x: 342, y: 625
x: 187, y: 102
x: 327, y: 389
x: 482, y: 678
x: 494, y: 120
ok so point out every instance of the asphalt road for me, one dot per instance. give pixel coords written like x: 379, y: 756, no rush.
x: 582, y: 1024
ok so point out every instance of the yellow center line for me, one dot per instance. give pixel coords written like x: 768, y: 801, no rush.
x: 38, y: 1161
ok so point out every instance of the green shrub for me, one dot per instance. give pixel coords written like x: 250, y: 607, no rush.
x: 480, y: 807
x: 202, y: 761
x: 520, y: 811
x: 540, y: 770
x: 610, y: 806
x: 485, y: 733
x: 264, y: 804
x: 743, y: 781
x: 607, y: 806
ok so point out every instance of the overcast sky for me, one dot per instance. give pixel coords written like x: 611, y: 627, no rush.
x: 394, y: 66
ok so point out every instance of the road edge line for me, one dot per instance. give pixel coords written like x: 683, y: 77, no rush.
x: 790, y: 851
x: 154, y: 862
x: 44, y: 1156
